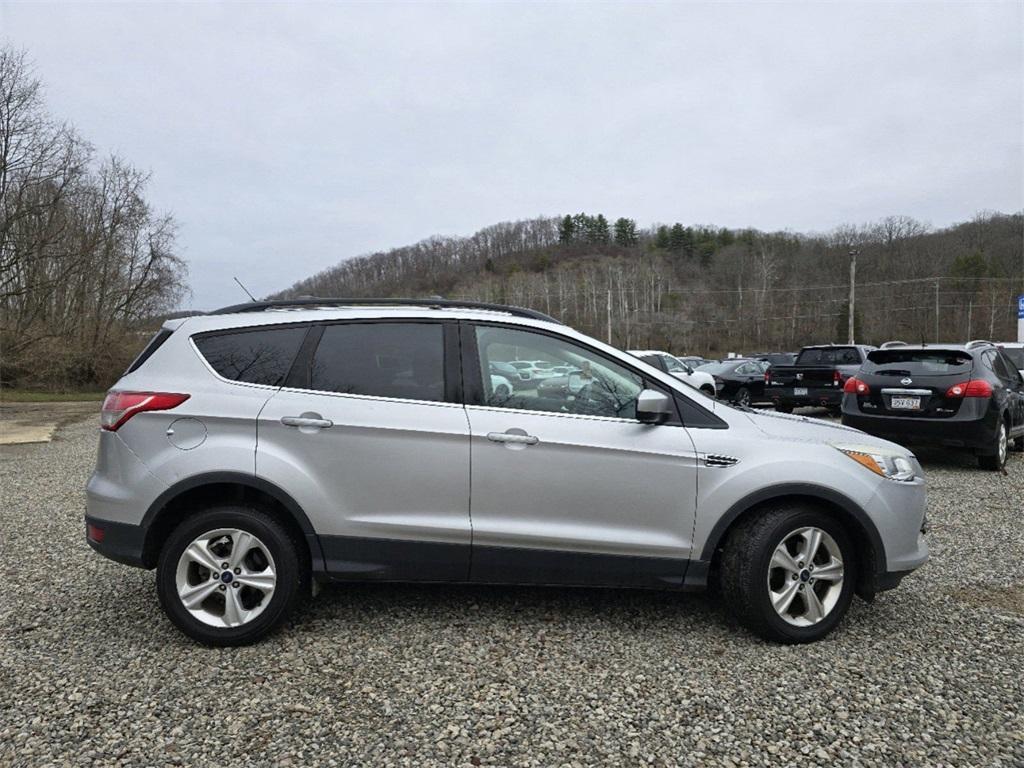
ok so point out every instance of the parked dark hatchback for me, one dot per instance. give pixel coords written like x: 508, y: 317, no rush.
x: 969, y: 397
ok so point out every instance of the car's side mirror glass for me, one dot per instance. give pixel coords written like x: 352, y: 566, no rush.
x: 653, y: 407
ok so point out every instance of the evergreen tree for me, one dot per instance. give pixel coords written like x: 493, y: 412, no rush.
x: 689, y: 243
x: 661, y: 238
x: 625, y: 232
x: 598, y: 230
x: 567, y: 230
x: 676, y: 238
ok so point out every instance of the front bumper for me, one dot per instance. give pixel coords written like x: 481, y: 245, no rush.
x: 122, y: 542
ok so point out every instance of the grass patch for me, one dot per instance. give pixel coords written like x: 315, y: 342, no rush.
x: 33, y: 396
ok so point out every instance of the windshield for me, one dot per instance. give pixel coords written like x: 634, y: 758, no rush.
x: 922, y: 362
x: 829, y: 356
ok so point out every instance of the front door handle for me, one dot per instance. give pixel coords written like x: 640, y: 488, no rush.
x: 506, y: 437
x: 306, y: 421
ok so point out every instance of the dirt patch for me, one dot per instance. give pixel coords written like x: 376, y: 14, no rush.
x: 1010, y: 599
x: 37, y: 422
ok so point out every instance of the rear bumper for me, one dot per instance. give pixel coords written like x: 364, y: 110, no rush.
x: 829, y: 397
x: 973, y: 434
x: 121, y: 542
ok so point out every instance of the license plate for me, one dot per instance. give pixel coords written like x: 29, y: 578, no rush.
x: 799, y: 390
x: 906, y: 403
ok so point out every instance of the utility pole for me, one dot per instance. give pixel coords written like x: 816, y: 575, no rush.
x: 853, y: 293
x: 936, y: 339
x: 609, y: 315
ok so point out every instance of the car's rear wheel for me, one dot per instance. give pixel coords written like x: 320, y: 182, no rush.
x: 788, y: 573
x: 229, y: 575
x: 708, y: 390
x: 996, y: 459
x: 742, y: 397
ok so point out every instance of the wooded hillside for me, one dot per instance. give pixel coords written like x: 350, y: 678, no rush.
x: 711, y: 290
x: 83, y: 256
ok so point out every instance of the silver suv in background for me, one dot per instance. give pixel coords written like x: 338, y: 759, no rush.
x: 253, y: 450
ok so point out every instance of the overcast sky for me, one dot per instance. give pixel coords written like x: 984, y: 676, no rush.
x: 285, y: 138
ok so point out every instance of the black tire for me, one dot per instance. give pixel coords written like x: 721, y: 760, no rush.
x: 995, y: 458
x: 501, y: 392
x: 744, y: 568
x: 783, y: 408
x: 291, y: 570
x: 709, y: 391
x: 742, y: 397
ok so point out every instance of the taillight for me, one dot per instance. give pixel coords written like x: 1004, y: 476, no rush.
x: 837, y: 379
x: 767, y: 377
x: 972, y: 388
x: 95, y: 533
x: 855, y: 386
x: 118, y: 407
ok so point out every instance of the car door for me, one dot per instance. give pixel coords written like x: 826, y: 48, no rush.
x: 1011, y: 379
x: 573, y: 489
x: 752, y: 377
x: 370, y: 437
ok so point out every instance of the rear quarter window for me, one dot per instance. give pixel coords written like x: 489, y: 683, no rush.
x: 256, y: 356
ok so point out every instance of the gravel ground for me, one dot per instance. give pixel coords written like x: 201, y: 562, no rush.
x: 92, y: 672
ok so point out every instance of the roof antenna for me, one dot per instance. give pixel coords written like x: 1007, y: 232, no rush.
x: 244, y: 288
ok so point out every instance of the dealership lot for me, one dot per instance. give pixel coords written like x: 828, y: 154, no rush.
x: 403, y: 675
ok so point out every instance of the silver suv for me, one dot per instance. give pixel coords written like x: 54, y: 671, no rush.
x: 254, y: 452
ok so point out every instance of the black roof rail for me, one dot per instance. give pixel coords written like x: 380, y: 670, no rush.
x: 314, y: 301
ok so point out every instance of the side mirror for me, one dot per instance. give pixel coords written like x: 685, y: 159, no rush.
x: 653, y: 407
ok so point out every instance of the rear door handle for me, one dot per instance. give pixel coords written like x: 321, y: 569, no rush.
x: 505, y: 437
x: 306, y: 421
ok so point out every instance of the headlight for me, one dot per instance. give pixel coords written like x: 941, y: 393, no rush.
x: 893, y: 466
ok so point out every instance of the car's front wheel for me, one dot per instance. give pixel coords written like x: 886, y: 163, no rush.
x: 229, y: 575
x: 995, y: 460
x: 788, y: 573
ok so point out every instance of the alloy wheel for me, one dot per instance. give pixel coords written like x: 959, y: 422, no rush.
x: 226, y: 577
x: 805, y: 576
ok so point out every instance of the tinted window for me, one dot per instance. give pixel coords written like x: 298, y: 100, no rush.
x: 1016, y: 356
x: 1005, y: 371
x: 903, y: 362
x: 596, y: 385
x: 258, y: 356
x: 829, y: 356
x: 404, y: 360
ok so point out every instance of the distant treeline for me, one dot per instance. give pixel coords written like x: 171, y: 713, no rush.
x: 83, y: 256
x: 711, y: 290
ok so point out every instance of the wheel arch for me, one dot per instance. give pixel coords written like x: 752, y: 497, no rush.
x: 867, y: 540
x: 201, y: 491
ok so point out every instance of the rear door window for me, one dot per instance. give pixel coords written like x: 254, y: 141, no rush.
x: 254, y: 356
x: 396, y: 360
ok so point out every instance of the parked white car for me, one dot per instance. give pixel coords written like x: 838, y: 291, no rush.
x: 673, y: 366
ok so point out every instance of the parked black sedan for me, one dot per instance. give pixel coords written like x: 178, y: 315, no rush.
x: 738, y: 380
x: 960, y: 396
